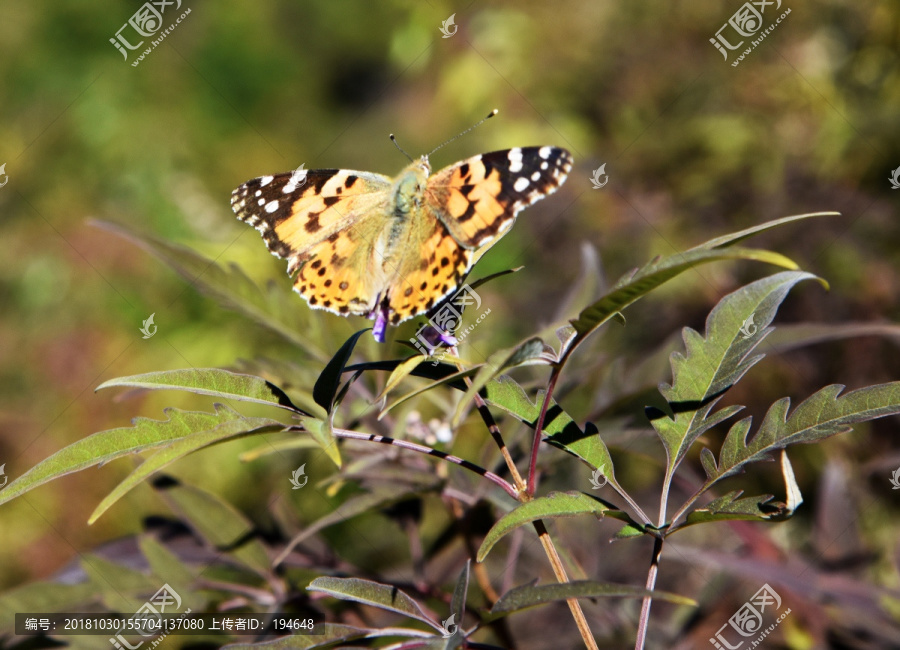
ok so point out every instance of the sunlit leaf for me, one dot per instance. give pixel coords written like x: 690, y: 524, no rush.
x: 555, y: 504
x: 209, y: 381
x: 736, y: 237
x: 105, y: 446
x: 634, y: 286
x: 714, y: 363
x: 182, y: 447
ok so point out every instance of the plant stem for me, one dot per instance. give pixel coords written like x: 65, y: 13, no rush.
x: 560, y: 572
x: 422, y: 449
x: 645, y: 606
x: 538, y: 430
x: 494, y: 430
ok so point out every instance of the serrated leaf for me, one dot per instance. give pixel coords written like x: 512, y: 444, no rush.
x: 105, y: 446
x: 274, y: 307
x: 209, y: 381
x: 552, y: 506
x: 357, y: 505
x: 524, y: 353
x: 820, y: 416
x: 634, y: 286
x: 730, y: 507
x: 531, y: 596
x: 329, y: 380
x: 178, y: 449
x: 711, y: 365
x: 372, y: 593
x: 218, y: 522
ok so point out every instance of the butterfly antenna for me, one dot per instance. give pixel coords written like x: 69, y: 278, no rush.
x: 471, y: 128
x: 394, y: 140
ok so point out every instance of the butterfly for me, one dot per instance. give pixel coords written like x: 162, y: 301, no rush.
x: 388, y: 248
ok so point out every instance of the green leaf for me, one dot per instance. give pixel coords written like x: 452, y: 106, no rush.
x: 105, y: 446
x: 326, y: 635
x: 526, y: 352
x: 729, y: 506
x: 735, y: 237
x: 182, y: 447
x: 636, y: 285
x: 493, y: 276
x: 209, y: 381
x: 820, y: 416
x: 530, y: 596
x: 458, y: 604
x: 712, y: 365
x: 218, y: 522
x: 329, y: 381
x: 274, y: 307
x: 380, y: 497
x: 43, y: 596
x: 450, y: 380
x: 322, y: 434
x: 166, y: 566
x: 555, y: 504
x: 372, y: 593
x: 400, y: 373
x: 629, y: 531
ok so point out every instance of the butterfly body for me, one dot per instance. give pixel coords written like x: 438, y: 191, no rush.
x: 391, y: 249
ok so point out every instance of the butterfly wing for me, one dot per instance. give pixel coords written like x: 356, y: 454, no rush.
x: 327, y: 228
x: 478, y: 198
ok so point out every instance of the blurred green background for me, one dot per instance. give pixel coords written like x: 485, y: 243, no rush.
x: 693, y: 146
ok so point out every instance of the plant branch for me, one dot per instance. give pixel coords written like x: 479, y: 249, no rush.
x: 422, y: 449
x: 648, y: 601
x: 560, y: 572
x: 538, y: 430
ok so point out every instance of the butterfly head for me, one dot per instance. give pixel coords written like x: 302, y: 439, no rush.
x: 409, y: 187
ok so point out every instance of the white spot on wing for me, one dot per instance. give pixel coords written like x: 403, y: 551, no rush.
x: 544, y: 152
x: 515, y: 159
x: 258, y: 193
x: 265, y: 180
x: 535, y: 176
x: 520, y: 184
x: 271, y: 206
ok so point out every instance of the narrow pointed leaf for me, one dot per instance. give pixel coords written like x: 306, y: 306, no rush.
x: 209, y: 381
x: 180, y: 448
x: 105, y: 446
x: 372, y: 593
x: 274, y: 307
x: 218, y: 522
x: 326, y: 634
x: 458, y: 604
x: 736, y: 237
x: 400, y: 373
x: 531, y: 596
x: 329, y: 381
x: 354, y: 506
x: 555, y: 504
x: 633, y: 287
